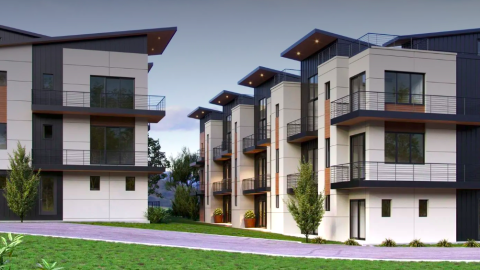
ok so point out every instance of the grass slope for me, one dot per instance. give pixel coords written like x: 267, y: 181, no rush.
x: 83, y: 254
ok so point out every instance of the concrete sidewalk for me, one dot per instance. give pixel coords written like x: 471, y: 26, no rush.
x: 240, y: 244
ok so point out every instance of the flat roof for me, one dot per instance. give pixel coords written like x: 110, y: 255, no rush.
x: 225, y: 97
x: 22, y: 32
x: 201, y: 112
x: 260, y: 75
x: 157, y: 38
x: 309, y: 44
x: 405, y: 38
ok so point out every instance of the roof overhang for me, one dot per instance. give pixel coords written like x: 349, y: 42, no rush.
x: 201, y: 112
x: 22, y: 32
x: 259, y: 76
x: 311, y: 43
x: 225, y: 97
x: 406, y: 38
x: 157, y: 38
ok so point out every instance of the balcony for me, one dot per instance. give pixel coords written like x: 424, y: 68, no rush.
x: 93, y: 160
x: 250, y: 147
x: 302, y: 130
x: 105, y: 104
x: 363, y: 106
x: 227, y: 146
x: 199, y: 159
x: 257, y: 185
x: 263, y: 136
x: 199, y: 190
x: 380, y: 174
x: 218, y: 154
x: 223, y: 187
x: 292, y: 180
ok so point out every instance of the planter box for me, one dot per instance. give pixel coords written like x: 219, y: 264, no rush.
x: 250, y: 222
x: 218, y: 219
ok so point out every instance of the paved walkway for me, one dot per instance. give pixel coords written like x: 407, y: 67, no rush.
x: 239, y: 244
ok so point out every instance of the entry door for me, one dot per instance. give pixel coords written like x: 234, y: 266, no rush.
x: 261, y: 210
x: 357, y: 157
x: 357, y: 219
x: 48, y: 196
x: 227, y: 209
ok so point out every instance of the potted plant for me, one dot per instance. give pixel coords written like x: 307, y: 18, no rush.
x: 249, y: 219
x: 218, y: 215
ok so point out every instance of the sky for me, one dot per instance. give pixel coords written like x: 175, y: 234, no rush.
x: 218, y: 42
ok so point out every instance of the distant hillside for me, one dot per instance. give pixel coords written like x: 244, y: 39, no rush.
x: 166, y: 201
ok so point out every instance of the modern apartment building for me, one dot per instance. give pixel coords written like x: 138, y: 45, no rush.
x: 80, y: 105
x: 390, y: 125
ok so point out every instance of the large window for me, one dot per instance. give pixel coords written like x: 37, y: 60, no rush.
x: 112, y: 145
x: 404, y: 148
x: 357, y: 92
x: 112, y: 92
x: 404, y: 88
x: 313, y: 103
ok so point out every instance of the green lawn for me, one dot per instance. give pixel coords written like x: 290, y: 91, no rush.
x: 84, y: 254
x: 185, y: 225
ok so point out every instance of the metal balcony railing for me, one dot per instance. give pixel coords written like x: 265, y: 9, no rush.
x: 381, y: 171
x: 200, y: 155
x: 227, y: 144
x: 264, y: 132
x: 249, y: 141
x: 222, y: 186
x: 98, y: 100
x: 381, y: 101
x: 303, y: 124
x: 256, y: 183
x: 89, y: 157
x: 217, y: 152
x: 292, y: 180
x: 286, y: 75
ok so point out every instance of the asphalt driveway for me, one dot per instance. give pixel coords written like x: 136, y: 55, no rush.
x: 239, y: 244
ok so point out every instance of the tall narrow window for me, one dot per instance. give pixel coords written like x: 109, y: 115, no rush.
x: 478, y: 47
x: 94, y: 182
x: 130, y: 183
x: 277, y: 201
x: 235, y: 171
x: 327, y: 203
x: 277, y: 110
x: 262, y: 124
x: 47, y: 131
x: 423, y: 208
x: 3, y: 116
x: 3, y: 136
x: 277, y: 161
x: 228, y: 143
x: 312, y: 123
x: 327, y: 153
x: 386, y: 208
x: 48, y: 81
x: 3, y: 182
x: 327, y: 90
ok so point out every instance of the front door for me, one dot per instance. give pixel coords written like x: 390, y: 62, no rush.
x: 48, y: 196
x: 261, y: 210
x: 227, y: 209
x: 357, y: 219
x: 357, y: 157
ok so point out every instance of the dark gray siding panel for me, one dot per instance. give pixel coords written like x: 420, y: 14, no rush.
x: 34, y: 214
x: 8, y: 37
x: 468, y: 215
x: 55, y: 144
x: 227, y: 110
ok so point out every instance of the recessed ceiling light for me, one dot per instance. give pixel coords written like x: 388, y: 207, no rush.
x: 298, y: 53
x: 158, y: 37
x: 203, y: 112
x: 152, y: 49
x: 219, y: 101
x: 249, y: 82
x: 316, y: 40
x: 196, y: 116
x: 227, y: 96
x: 261, y: 75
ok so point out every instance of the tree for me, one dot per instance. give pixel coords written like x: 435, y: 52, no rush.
x: 22, y: 183
x: 155, y: 159
x: 306, y: 206
x: 184, y: 204
x: 181, y: 173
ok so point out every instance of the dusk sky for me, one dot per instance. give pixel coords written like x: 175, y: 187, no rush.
x: 219, y: 42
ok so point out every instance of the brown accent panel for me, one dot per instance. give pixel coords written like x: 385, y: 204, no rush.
x: 276, y: 132
x: 405, y: 108
x: 109, y: 121
x: 277, y: 180
x: 327, y: 119
x: 3, y: 104
x: 202, y: 209
x: 327, y: 181
x: 404, y: 127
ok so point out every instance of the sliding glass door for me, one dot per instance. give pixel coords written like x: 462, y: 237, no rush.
x: 112, y: 92
x: 112, y: 145
x: 357, y: 219
x: 357, y: 157
x: 357, y: 92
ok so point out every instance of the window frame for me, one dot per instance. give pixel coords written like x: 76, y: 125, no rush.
x: 327, y: 202
x: 313, y: 111
x: 3, y: 186
x: 43, y: 81
x: 389, y: 208
x: 277, y: 161
x: 420, y: 207
x: 126, y: 183
x: 410, y: 145
x: 327, y: 153
x: 6, y: 136
x: 51, y: 135
x: 327, y: 90
x: 410, y: 88
x: 94, y: 178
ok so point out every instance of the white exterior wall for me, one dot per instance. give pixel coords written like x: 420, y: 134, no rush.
x: 243, y: 115
x: 214, y: 171
x: 17, y: 62
x: 287, y: 96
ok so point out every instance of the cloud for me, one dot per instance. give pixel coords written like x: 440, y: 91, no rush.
x: 176, y: 119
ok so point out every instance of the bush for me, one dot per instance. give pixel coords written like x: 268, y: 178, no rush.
x: 249, y: 214
x: 319, y: 240
x: 218, y: 212
x: 416, y: 243
x: 388, y: 243
x: 471, y: 243
x: 444, y: 243
x: 184, y: 204
x: 351, y: 242
x: 156, y: 214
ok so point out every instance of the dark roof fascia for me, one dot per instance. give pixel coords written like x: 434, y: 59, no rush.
x: 405, y: 38
x: 244, y: 80
x: 206, y: 110
x: 22, y: 32
x: 232, y: 94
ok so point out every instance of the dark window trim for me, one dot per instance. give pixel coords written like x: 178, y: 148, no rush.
x: 134, y: 183
x: 410, y: 94
x: 389, y: 210
x: 327, y: 202
x: 410, y: 143
x: 327, y: 153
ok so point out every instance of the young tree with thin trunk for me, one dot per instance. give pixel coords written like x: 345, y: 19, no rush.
x: 155, y: 159
x: 22, y: 183
x: 306, y: 206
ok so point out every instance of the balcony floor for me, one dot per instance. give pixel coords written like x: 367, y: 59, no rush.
x: 99, y: 168
x: 405, y: 184
x: 303, y: 137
